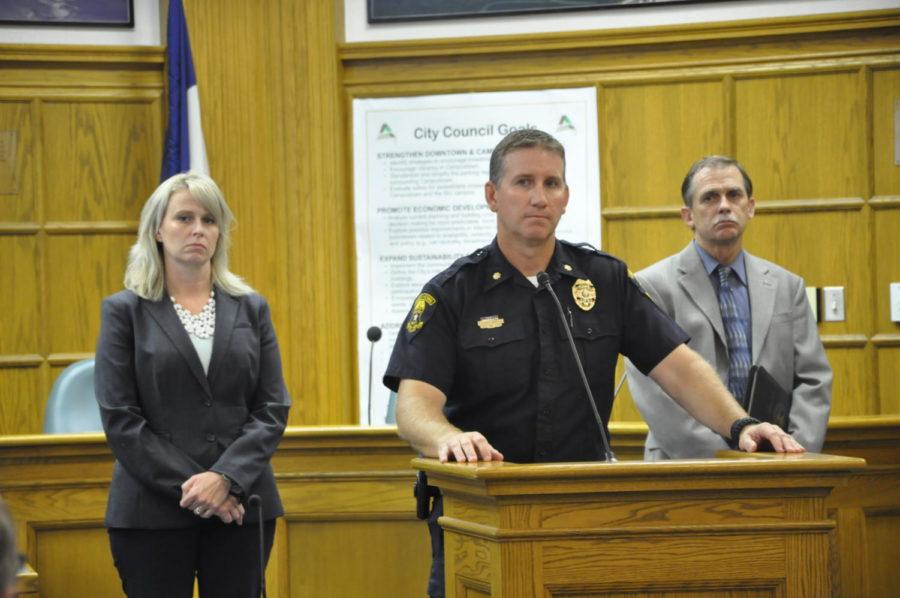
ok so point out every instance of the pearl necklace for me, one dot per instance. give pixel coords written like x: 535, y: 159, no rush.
x: 202, y: 325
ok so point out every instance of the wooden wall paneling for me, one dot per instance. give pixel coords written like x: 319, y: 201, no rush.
x: 101, y: 158
x: 644, y: 240
x: 866, y: 508
x: 359, y: 557
x: 20, y: 313
x: 798, y: 134
x: 651, y: 133
x: 888, y: 363
x: 621, y: 54
x: 350, y: 511
x: 825, y: 246
x: 885, y: 93
x: 66, y: 553
x: 886, y: 216
x: 21, y: 375
x: 793, y: 105
x: 886, y: 270
x: 81, y: 270
x: 275, y: 130
x: 239, y: 64
x: 849, y: 576
x: 17, y: 195
x: 882, y: 531
x: 852, y: 391
x: 321, y: 177
x: 867, y: 511
x: 21, y: 393
x: 90, y: 133
x: 349, y: 529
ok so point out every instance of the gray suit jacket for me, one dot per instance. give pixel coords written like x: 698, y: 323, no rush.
x: 165, y: 420
x: 785, y: 342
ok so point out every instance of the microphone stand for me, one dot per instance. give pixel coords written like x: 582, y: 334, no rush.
x: 374, y: 335
x: 544, y: 281
x: 254, y: 500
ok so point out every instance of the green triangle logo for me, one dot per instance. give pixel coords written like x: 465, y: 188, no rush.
x: 386, y: 132
x: 565, y: 124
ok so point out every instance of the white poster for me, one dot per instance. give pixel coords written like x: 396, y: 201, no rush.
x: 420, y: 164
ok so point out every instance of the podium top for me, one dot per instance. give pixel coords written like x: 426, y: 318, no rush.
x: 731, y: 469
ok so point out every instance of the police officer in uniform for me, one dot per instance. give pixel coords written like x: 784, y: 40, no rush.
x: 482, y: 365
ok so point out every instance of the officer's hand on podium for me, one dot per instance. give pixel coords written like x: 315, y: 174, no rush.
x: 467, y: 447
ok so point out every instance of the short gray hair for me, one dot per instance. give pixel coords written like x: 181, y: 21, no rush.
x: 145, y: 273
x: 523, y: 139
x: 687, y: 186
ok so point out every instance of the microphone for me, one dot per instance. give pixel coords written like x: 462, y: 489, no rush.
x: 544, y: 280
x: 255, y: 501
x: 374, y: 335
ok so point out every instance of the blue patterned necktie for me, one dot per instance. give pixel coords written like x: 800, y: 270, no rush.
x: 735, y: 334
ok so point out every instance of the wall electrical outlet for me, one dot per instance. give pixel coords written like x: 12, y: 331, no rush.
x: 895, y: 302
x: 833, y: 304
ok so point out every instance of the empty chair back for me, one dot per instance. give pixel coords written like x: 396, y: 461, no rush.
x: 72, y: 407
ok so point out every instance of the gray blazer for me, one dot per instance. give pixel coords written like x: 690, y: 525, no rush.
x: 165, y: 420
x: 785, y: 342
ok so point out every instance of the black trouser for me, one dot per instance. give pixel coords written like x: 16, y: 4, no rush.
x: 436, y: 580
x: 156, y: 563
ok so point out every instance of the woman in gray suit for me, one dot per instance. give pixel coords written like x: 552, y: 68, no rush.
x: 188, y: 377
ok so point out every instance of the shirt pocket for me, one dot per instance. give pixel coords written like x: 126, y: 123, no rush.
x: 598, y: 345
x: 488, y: 358
x: 477, y: 338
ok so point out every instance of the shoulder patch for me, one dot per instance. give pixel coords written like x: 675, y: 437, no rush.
x: 421, y: 309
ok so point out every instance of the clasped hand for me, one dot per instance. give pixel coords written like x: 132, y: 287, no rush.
x: 206, y: 494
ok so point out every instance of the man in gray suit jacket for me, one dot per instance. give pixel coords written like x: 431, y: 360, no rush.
x: 767, y: 319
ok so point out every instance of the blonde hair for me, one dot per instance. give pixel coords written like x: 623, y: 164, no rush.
x: 145, y: 273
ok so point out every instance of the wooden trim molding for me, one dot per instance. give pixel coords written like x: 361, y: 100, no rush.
x: 19, y: 228
x: 844, y: 341
x: 886, y: 340
x: 67, y: 358
x: 28, y: 360
x: 68, y: 54
x: 514, y: 44
x: 885, y: 202
x: 91, y: 228
x: 777, y: 206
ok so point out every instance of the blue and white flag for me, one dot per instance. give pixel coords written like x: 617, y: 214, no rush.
x: 185, y: 148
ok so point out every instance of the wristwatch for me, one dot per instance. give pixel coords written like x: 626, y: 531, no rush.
x: 738, y: 426
x: 234, y: 488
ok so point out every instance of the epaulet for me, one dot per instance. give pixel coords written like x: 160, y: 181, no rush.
x: 590, y: 249
x: 467, y: 260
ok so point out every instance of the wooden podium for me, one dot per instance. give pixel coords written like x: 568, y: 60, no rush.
x: 738, y: 526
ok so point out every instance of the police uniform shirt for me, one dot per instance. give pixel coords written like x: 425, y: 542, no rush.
x: 495, y: 345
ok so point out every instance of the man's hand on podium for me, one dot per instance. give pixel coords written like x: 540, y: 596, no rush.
x: 752, y: 436
x: 467, y: 447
